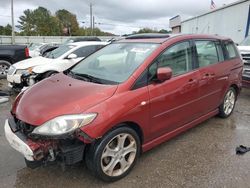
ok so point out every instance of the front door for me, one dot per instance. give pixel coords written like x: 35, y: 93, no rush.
x: 173, y: 103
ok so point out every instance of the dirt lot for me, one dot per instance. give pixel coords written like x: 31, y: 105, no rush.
x: 202, y: 157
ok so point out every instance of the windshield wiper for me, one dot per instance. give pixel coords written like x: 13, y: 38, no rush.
x: 85, y: 77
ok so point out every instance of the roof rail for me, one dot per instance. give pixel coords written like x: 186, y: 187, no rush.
x: 148, y: 36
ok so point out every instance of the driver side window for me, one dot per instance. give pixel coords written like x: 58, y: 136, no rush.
x: 177, y: 57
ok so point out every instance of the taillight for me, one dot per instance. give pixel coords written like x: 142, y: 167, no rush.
x: 27, y: 52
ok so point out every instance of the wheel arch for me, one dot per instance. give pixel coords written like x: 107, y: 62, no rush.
x: 130, y: 124
x: 237, y: 89
x: 7, y: 58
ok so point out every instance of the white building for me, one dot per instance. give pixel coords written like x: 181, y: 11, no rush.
x: 231, y: 20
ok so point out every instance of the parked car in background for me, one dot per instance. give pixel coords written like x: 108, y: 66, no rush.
x: 125, y: 99
x: 28, y: 72
x: 34, y: 49
x: 82, y: 39
x: 39, y: 49
x: 45, y: 50
x: 244, y: 48
x: 10, y: 54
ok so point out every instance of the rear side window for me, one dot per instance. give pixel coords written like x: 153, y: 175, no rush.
x: 207, y: 53
x: 177, y: 57
x: 231, y: 51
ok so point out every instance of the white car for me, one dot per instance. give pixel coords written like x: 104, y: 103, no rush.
x: 244, y: 48
x: 27, y: 72
x: 34, y: 49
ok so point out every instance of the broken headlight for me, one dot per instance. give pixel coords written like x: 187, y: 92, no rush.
x: 64, y: 124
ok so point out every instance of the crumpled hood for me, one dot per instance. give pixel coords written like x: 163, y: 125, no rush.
x: 31, y: 62
x: 59, y: 95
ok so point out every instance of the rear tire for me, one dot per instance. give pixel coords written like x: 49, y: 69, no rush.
x: 114, y: 155
x: 227, y: 107
x: 4, y: 67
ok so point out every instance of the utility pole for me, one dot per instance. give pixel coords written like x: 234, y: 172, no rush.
x: 91, y: 19
x: 93, y: 25
x: 13, y: 23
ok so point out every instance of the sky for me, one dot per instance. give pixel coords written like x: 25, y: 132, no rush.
x: 116, y: 16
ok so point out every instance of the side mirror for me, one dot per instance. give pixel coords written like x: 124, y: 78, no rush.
x: 164, y: 73
x: 72, y: 56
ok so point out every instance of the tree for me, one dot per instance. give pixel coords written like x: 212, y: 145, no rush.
x: 6, y: 30
x: 148, y: 30
x: 164, y: 31
x: 26, y: 22
x: 38, y: 22
x: 68, y: 20
x: 145, y: 30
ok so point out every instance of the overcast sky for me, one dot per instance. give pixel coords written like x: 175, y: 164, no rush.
x: 115, y: 16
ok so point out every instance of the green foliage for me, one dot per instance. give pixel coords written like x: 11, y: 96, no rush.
x: 7, y: 30
x: 38, y: 22
x: 67, y: 20
x: 27, y: 23
x: 148, y: 30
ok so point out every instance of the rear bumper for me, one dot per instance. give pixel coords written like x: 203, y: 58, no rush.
x: 66, y: 151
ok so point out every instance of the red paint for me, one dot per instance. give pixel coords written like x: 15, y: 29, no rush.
x: 27, y: 54
x: 161, y: 110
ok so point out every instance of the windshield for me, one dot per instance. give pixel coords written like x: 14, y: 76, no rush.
x: 245, y: 42
x: 59, y: 51
x: 34, y: 46
x: 115, y: 62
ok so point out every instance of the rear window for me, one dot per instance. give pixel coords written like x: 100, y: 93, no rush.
x: 231, y: 50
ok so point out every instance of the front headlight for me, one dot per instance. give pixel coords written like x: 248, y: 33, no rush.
x: 64, y: 124
x: 24, y: 71
x: 11, y: 70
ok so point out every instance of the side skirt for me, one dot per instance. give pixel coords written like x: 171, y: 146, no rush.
x: 149, y: 145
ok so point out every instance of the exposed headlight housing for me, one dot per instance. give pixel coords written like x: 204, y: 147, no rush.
x: 64, y: 124
x: 24, y: 71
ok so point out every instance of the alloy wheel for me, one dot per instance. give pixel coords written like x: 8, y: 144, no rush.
x: 3, y: 69
x: 118, y: 155
x: 229, y: 102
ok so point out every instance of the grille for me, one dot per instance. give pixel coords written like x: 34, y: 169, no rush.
x: 24, y: 127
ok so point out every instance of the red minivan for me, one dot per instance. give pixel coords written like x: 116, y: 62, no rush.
x: 125, y: 99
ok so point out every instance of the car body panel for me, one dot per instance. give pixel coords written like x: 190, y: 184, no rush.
x: 67, y: 94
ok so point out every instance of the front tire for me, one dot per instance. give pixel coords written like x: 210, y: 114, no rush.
x: 113, y: 157
x: 227, y: 107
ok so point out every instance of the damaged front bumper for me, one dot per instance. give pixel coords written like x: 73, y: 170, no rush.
x: 19, y: 81
x: 68, y: 150
x: 18, y: 142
